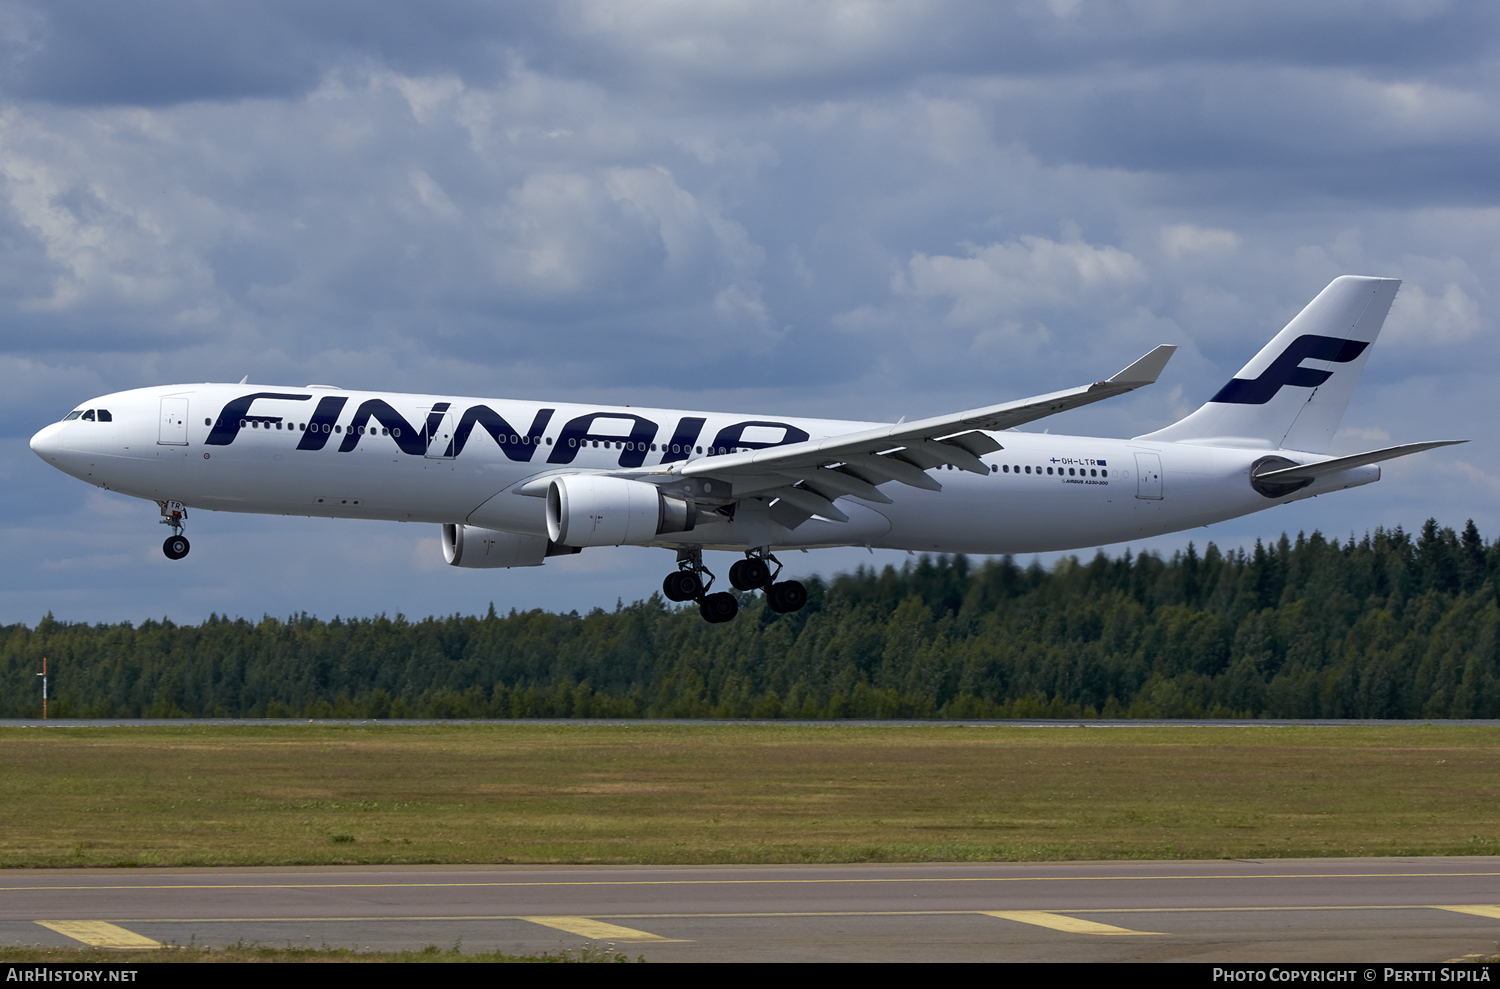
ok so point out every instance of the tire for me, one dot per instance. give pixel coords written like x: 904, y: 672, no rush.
x: 719, y: 608
x: 682, y: 585
x: 750, y: 575
x: 787, y: 596
x: 176, y: 547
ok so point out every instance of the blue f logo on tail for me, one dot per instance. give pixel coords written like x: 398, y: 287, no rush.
x: 1287, y: 369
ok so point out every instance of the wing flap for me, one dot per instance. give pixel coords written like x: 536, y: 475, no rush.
x: 834, y: 483
x: 894, y: 470
x: 808, y: 501
x: 975, y: 442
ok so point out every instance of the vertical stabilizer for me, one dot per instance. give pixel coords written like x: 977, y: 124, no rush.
x: 1294, y: 392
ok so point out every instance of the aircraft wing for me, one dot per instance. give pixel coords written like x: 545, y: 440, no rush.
x: 808, y: 476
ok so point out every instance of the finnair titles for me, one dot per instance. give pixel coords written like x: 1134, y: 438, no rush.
x: 512, y: 483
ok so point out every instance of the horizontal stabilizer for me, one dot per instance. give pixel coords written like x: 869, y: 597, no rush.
x: 1308, y: 472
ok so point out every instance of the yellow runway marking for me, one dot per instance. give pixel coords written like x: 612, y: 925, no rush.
x: 598, y: 930
x: 99, y: 934
x: 1058, y: 922
x: 1478, y: 910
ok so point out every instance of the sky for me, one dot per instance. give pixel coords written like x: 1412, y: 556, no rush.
x: 844, y: 209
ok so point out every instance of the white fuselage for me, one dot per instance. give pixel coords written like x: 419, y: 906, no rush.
x: 318, y: 451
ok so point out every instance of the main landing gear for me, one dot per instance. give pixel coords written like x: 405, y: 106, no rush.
x: 174, y: 514
x: 750, y: 574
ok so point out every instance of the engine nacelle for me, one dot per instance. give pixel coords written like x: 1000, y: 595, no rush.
x: 482, y: 549
x: 590, y: 510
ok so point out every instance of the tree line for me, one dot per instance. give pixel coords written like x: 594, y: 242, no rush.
x: 1389, y: 626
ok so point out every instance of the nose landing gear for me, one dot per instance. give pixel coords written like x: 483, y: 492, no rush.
x: 174, y: 514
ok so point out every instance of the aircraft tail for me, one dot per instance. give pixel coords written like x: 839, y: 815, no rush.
x: 1294, y: 392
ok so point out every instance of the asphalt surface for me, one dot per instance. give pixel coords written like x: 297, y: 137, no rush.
x: 1305, y: 910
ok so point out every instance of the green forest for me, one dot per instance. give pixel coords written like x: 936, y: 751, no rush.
x: 1390, y: 626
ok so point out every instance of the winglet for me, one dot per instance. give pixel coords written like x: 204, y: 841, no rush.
x: 1146, y: 370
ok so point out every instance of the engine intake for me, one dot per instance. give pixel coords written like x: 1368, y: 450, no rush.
x: 590, y: 510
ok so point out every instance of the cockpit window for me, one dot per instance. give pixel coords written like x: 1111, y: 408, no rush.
x: 104, y: 416
x: 72, y: 415
x: 88, y: 416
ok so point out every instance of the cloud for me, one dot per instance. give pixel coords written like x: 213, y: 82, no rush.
x: 1420, y: 319
x: 1467, y: 471
x: 1018, y: 275
x: 1184, y: 238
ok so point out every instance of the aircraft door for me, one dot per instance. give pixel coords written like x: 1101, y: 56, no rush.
x: 173, y: 428
x: 440, y: 435
x: 1148, y: 476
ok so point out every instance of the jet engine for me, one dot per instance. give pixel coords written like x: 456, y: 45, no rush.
x: 590, y: 510
x: 476, y: 548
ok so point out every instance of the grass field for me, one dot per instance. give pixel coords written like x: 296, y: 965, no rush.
x: 655, y: 792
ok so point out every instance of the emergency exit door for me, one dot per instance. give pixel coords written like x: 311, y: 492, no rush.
x: 439, y: 437
x: 1148, y: 476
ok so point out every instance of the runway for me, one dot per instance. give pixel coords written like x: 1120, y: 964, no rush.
x: 1326, y: 910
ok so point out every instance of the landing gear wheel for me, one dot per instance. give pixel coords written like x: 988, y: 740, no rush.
x: 682, y: 585
x: 788, y: 596
x: 750, y: 575
x: 176, y: 547
x: 717, y: 608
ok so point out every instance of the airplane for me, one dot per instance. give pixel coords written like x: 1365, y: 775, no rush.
x: 513, y: 483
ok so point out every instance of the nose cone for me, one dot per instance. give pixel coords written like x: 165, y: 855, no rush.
x: 47, y: 443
